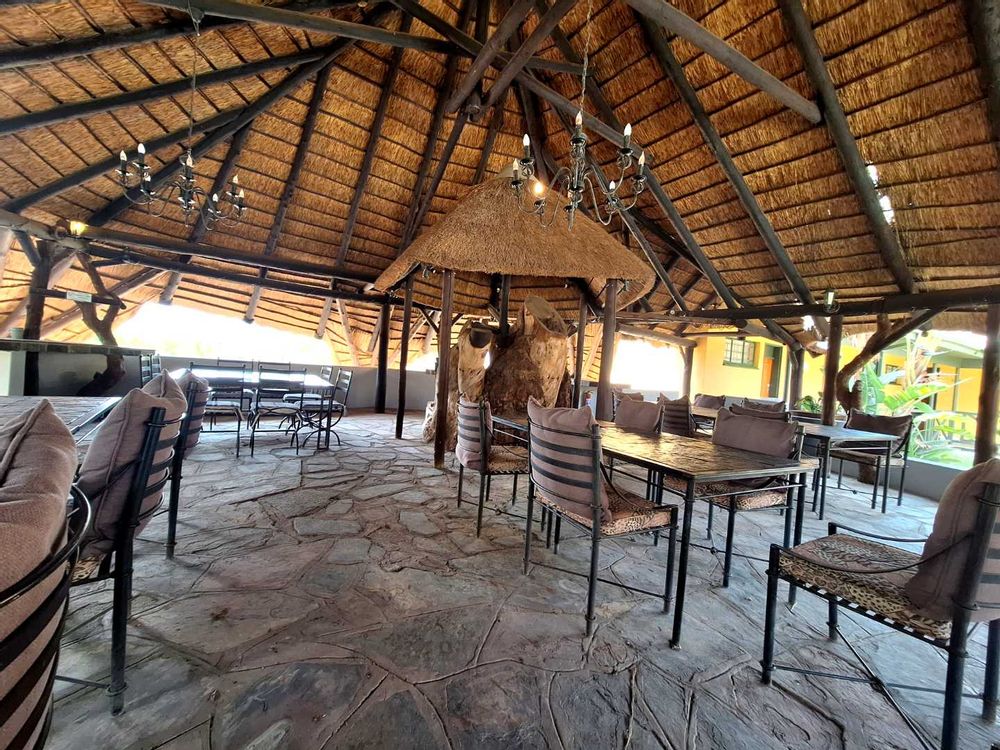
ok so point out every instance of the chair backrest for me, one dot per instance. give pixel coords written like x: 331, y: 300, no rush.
x: 961, y: 567
x: 618, y: 394
x: 196, y: 391
x: 746, y: 411
x: 146, y: 367
x: 898, y: 426
x: 564, y: 459
x: 232, y: 364
x: 228, y: 382
x: 806, y: 416
x: 326, y: 372
x: 749, y: 403
x: 638, y: 416
x: 709, y: 402
x: 342, y: 385
x: 773, y: 437
x: 32, y: 611
x: 275, y: 366
x: 274, y: 383
x: 675, y: 416
x: 475, y: 425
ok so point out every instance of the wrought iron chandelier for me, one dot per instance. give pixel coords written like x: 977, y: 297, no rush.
x: 135, y: 177
x: 581, y: 177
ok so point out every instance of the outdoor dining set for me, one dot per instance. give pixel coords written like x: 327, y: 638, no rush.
x: 751, y: 456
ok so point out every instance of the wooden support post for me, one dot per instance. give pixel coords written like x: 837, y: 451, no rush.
x: 989, y: 392
x: 404, y: 353
x: 382, y: 371
x: 345, y: 323
x: 34, y: 314
x: 581, y: 343
x: 687, y: 353
x: 605, y: 407
x: 797, y: 361
x: 444, y: 366
x: 830, y: 369
x: 505, y: 304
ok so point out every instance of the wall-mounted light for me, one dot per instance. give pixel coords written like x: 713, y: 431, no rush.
x: 830, y: 304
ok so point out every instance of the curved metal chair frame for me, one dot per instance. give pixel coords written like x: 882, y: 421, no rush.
x: 194, y: 404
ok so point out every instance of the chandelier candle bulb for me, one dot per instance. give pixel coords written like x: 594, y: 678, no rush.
x: 627, y: 133
x: 527, y: 146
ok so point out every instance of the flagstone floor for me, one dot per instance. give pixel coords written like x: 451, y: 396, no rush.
x: 341, y: 600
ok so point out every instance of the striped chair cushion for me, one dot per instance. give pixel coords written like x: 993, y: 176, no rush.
x: 675, y: 416
x: 937, y: 581
x: 469, y: 448
x: 201, y: 393
x: 561, y: 454
x: 710, y: 402
x: 747, y: 411
x: 749, y: 403
x: 638, y: 416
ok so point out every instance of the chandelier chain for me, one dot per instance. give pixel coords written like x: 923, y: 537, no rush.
x: 586, y: 53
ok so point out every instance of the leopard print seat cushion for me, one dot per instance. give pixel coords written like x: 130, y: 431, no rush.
x: 749, y: 501
x: 882, y: 593
x: 629, y: 513
x: 508, y: 459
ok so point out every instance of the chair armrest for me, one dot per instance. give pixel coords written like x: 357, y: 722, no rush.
x: 834, y: 527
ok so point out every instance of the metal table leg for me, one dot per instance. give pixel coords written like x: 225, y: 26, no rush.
x: 885, y: 478
x: 824, y: 467
x: 682, y: 564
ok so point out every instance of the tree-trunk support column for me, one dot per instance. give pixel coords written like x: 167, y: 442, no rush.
x: 581, y: 343
x: 605, y: 408
x: 797, y: 362
x: 33, y: 317
x: 382, y: 373
x: 404, y: 355
x: 986, y: 421
x: 444, y: 355
x: 687, y: 353
x: 830, y: 369
x: 505, y: 304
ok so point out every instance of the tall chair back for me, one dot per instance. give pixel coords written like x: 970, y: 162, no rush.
x: 899, y: 426
x: 638, y: 416
x: 228, y: 382
x: 748, y: 411
x: 326, y: 372
x: 342, y: 386
x: 187, y: 437
x: 274, y: 384
x: 149, y: 367
x: 675, y: 416
x: 473, y: 446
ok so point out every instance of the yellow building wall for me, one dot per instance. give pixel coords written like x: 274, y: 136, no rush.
x: 709, y: 374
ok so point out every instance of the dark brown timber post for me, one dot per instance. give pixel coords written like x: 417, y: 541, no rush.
x: 687, y: 352
x: 444, y: 357
x: 796, y: 359
x: 34, y: 313
x: 986, y: 421
x: 382, y: 373
x: 830, y: 369
x: 404, y: 355
x: 605, y: 408
x: 581, y: 342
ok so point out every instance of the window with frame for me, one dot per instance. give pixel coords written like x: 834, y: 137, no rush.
x: 740, y: 353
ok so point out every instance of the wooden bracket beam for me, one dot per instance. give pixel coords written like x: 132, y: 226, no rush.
x: 345, y: 322
x: 665, y: 338
x: 673, y: 20
x: 496, y: 122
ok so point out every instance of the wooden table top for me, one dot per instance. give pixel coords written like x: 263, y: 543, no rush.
x: 837, y: 433
x: 689, y: 458
x: 76, y: 411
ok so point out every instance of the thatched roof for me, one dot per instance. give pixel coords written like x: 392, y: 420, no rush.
x: 907, y: 75
x: 485, y: 233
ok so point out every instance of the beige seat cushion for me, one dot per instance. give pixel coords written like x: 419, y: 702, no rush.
x: 882, y: 593
x: 197, y: 416
x: 938, y: 579
x: 508, y: 459
x: 37, y: 463
x: 748, y: 501
x: 106, y: 472
x: 629, y: 513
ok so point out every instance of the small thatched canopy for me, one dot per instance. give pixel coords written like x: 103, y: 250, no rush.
x: 485, y: 233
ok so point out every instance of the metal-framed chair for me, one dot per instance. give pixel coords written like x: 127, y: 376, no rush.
x: 149, y: 367
x: 475, y: 451
x: 229, y: 390
x: 147, y: 478
x: 274, y: 385
x: 860, y: 573
x: 676, y: 417
x: 568, y: 478
x: 191, y: 425
x: 773, y: 437
x: 874, y: 454
x: 37, y: 600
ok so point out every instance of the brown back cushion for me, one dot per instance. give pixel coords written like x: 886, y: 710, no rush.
x: 771, y: 436
x: 898, y: 426
x: 638, y: 416
x: 760, y: 413
x: 709, y: 402
x: 936, y: 581
x: 106, y: 472
x: 675, y: 416
x: 562, y: 457
x: 749, y: 403
x: 37, y: 463
x: 469, y: 448
x: 197, y: 416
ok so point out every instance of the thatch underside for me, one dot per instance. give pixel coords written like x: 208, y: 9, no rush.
x: 906, y: 75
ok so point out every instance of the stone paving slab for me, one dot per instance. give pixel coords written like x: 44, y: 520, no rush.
x: 340, y: 599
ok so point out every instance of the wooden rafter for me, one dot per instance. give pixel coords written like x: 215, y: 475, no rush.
x: 486, y: 55
x: 345, y: 322
x: 496, y: 122
x: 854, y: 164
x: 218, y: 185
x: 120, y: 289
x: 292, y: 181
x: 673, y: 20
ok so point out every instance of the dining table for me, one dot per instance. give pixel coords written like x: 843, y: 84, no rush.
x: 698, y: 463
x: 78, y: 412
x: 827, y: 436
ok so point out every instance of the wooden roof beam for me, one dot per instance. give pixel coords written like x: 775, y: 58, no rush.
x: 676, y: 22
x: 218, y: 185
x: 292, y: 181
x: 509, y: 24
x: 345, y: 322
x: 665, y: 56
x: 492, y: 130
x: 546, y: 24
x: 888, y: 243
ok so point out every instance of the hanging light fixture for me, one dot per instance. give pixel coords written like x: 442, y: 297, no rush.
x: 135, y: 177
x: 580, y: 178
